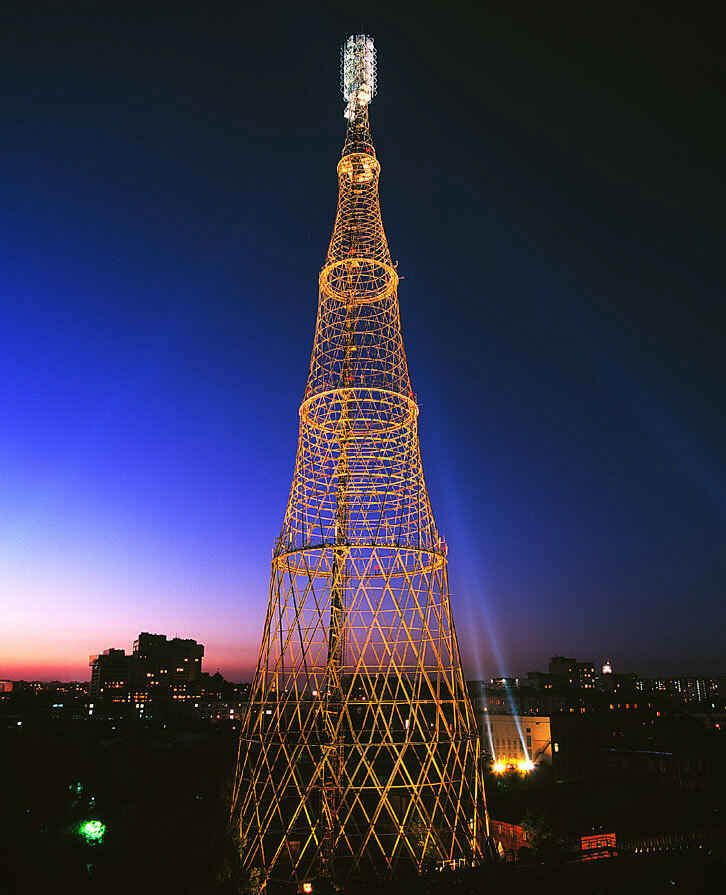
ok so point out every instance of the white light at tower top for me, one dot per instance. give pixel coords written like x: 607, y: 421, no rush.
x: 357, y: 73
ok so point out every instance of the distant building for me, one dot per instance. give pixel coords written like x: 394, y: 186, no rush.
x: 508, y: 838
x: 571, y: 673
x: 517, y: 737
x: 110, y: 676
x: 523, y: 700
x: 537, y: 680
x: 618, y: 683
x: 157, y: 671
x: 672, y: 771
x: 164, y: 669
x: 598, y: 845
x: 504, y: 683
x: 713, y: 719
x: 685, y: 689
x: 564, y: 741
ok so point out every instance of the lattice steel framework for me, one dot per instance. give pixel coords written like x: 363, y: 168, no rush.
x: 359, y: 753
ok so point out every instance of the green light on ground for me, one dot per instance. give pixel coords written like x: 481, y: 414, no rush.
x: 92, y: 830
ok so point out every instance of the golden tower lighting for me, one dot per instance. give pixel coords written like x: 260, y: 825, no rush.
x: 359, y: 754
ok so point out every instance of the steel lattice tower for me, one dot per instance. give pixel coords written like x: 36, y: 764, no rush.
x: 359, y: 753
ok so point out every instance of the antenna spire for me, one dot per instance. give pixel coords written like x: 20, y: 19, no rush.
x: 357, y: 74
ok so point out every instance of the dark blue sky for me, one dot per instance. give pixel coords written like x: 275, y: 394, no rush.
x: 553, y: 190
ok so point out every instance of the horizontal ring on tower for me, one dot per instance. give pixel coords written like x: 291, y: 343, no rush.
x: 358, y: 280
x: 367, y: 410
x: 387, y: 562
x: 358, y: 167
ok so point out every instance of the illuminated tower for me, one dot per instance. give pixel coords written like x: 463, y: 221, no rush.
x: 359, y: 754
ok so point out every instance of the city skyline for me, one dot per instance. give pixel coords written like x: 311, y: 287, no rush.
x: 157, y: 315
x: 537, y: 666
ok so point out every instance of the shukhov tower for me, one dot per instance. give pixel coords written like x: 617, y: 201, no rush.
x: 359, y: 752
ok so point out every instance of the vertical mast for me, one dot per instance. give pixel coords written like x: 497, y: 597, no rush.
x: 358, y: 83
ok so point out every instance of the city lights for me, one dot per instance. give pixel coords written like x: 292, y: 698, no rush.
x: 523, y: 765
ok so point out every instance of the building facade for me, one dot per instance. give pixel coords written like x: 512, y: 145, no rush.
x: 158, y: 671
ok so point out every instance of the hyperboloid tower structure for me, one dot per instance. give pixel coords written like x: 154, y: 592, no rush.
x: 359, y: 753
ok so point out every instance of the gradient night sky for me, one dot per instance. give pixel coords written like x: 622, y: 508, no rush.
x: 553, y: 190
